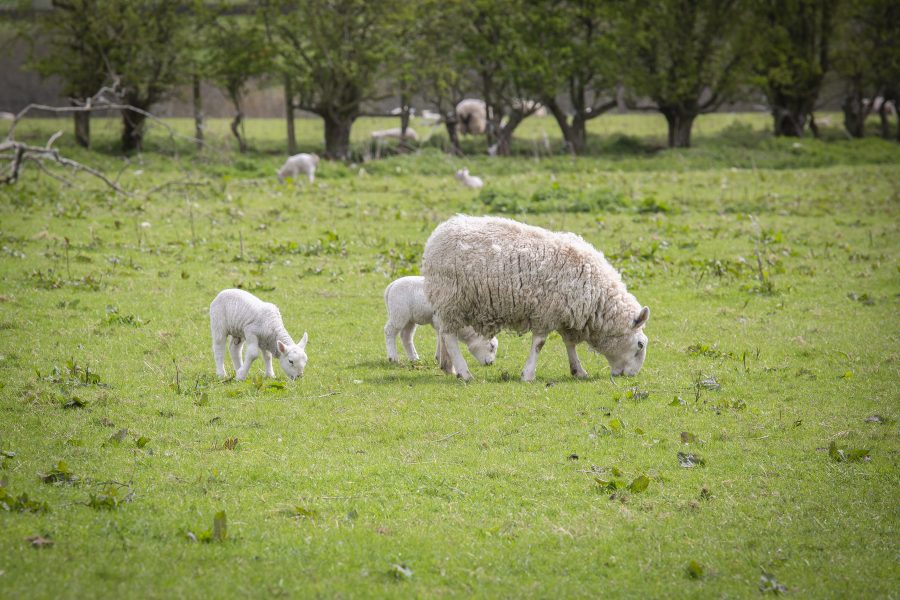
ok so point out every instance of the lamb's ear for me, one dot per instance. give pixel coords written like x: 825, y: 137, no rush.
x: 281, y: 347
x: 642, y: 317
x: 303, y: 340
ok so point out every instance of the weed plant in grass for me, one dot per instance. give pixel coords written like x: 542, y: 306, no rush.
x: 756, y: 452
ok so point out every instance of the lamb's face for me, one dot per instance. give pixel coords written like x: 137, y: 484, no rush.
x: 483, y: 349
x: 293, y: 358
x: 626, y: 353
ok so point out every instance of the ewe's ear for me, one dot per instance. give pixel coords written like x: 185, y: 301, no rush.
x: 642, y: 317
x: 303, y: 340
x: 281, y: 347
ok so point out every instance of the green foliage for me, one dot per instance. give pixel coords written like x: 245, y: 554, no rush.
x: 110, y: 497
x: 58, y: 474
x: 847, y: 455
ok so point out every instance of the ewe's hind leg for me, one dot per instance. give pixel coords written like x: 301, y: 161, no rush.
x: 574, y: 363
x: 537, y: 342
x: 451, y: 347
x: 406, y: 336
x: 252, y: 353
x: 235, y: 349
x: 218, y: 348
x: 390, y: 340
x: 267, y: 358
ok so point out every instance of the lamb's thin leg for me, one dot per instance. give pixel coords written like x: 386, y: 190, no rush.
x: 267, y: 358
x: 390, y: 340
x: 574, y: 363
x: 537, y: 342
x: 252, y: 353
x: 406, y: 336
x: 451, y: 347
x: 218, y: 348
x: 235, y: 349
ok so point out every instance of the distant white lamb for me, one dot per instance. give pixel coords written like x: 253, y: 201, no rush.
x: 470, y: 181
x: 490, y: 273
x: 395, y: 133
x: 246, y: 318
x: 407, y: 307
x: 299, y: 163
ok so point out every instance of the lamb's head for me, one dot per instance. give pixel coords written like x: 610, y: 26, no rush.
x: 314, y: 158
x: 483, y: 349
x: 280, y: 175
x: 626, y: 348
x: 462, y: 174
x: 293, y: 358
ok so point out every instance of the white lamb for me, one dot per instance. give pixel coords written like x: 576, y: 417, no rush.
x: 396, y: 133
x: 299, y: 163
x: 470, y: 181
x: 407, y: 307
x: 246, y: 318
x: 472, y: 115
x: 490, y: 273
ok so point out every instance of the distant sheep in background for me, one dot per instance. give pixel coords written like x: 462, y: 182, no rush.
x: 470, y: 181
x: 490, y: 273
x: 407, y: 308
x: 299, y: 163
x: 247, y: 319
x: 396, y: 133
x: 472, y: 115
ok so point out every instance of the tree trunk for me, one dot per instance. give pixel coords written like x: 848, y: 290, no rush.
x: 236, y: 131
x: 502, y: 145
x: 82, y: 128
x: 404, y: 115
x: 132, y: 131
x: 337, y: 136
x: 788, y: 122
x: 451, y: 122
x: 199, y: 125
x: 885, y: 125
x: 289, y: 114
x: 854, y: 113
x: 563, y: 121
x: 680, y: 123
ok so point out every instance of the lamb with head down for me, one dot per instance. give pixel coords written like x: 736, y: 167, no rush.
x: 491, y: 273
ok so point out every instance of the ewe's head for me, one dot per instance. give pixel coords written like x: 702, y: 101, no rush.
x: 280, y: 175
x: 314, y: 158
x: 462, y: 174
x: 627, y: 349
x: 293, y: 358
x: 483, y: 349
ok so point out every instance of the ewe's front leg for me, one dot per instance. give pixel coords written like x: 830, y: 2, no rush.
x: 252, y: 353
x: 267, y: 358
x: 537, y: 342
x: 451, y: 349
x: 574, y: 363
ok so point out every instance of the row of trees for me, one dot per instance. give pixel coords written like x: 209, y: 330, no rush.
x: 577, y: 58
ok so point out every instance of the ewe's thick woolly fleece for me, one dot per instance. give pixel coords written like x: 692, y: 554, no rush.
x: 494, y: 273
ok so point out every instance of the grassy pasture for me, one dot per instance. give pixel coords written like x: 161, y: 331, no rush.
x: 771, y: 269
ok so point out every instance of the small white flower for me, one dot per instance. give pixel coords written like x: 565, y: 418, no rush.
x: 145, y: 225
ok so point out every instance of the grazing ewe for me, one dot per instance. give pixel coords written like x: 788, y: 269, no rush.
x: 407, y: 308
x: 470, y: 181
x: 396, y: 133
x: 490, y: 273
x: 299, y: 163
x: 472, y: 115
x: 246, y: 318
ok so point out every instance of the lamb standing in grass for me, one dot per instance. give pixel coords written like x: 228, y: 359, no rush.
x: 299, y: 163
x: 470, y: 181
x: 407, y: 308
x: 490, y: 273
x: 247, y: 319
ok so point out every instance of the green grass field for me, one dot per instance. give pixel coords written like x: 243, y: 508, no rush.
x: 765, y: 418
